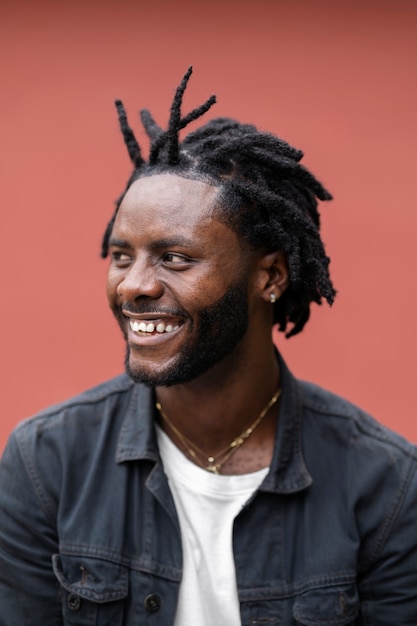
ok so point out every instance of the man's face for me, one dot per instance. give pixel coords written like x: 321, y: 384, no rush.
x: 178, y: 280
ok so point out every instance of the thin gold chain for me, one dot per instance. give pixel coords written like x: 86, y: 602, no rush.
x: 214, y: 463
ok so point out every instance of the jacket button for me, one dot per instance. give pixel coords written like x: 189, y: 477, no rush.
x: 152, y: 603
x: 73, y: 602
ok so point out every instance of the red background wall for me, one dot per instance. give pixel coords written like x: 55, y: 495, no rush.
x: 337, y: 79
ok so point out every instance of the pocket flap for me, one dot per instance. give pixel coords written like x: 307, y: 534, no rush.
x: 333, y: 606
x: 91, y: 578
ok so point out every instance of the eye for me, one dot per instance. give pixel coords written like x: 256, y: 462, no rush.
x: 176, y: 260
x: 121, y: 258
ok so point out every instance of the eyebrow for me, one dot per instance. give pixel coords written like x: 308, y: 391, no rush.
x: 158, y: 243
x: 118, y: 243
x: 178, y: 240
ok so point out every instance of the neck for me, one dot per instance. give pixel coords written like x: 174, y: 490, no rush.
x: 213, y: 409
x: 214, y: 462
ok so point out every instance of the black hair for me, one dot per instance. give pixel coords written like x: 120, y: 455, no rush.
x: 267, y: 196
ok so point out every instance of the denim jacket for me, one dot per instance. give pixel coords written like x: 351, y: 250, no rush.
x: 89, y: 533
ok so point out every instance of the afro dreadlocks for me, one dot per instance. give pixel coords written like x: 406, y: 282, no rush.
x: 266, y: 196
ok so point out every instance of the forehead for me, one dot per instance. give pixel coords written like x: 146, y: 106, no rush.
x: 164, y: 210
x: 167, y: 210
x: 170, y: 199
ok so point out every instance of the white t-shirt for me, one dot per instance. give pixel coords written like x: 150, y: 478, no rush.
x: 207, y: 505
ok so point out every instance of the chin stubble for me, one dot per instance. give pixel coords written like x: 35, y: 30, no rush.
x: 219, y: 329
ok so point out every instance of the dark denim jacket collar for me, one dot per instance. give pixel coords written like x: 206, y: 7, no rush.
x: 288, y: 472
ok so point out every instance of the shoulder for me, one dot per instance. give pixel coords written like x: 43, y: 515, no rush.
x: 365, y: 466
x: 60, y: 445
x: 364, y: 477
x: 96, y: 395
x: 331, y: 413
x: 351, y: 453
x: 107, y: 391
x: 83, y: 413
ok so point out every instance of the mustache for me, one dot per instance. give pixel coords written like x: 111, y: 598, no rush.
x: 142, y: 308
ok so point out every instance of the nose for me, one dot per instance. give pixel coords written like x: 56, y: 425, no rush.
x: 139, y: 281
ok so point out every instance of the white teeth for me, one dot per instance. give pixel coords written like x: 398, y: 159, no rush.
x: 149, y: 327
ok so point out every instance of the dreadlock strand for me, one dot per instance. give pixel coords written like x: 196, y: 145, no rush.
x: 132, y: 145
x: 156, y: 146
x: 152, y: 129
x: 175, y: 118
x: 198, y: 112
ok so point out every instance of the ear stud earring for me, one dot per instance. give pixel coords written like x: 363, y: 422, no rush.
x: 272, y: 298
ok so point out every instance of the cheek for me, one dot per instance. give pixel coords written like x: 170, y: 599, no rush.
x: 202, y: 289
x: 209, y: 290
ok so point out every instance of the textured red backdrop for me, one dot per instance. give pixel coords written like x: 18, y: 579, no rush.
x: 337, y: 79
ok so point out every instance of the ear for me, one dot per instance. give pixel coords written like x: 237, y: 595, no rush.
x: 272, y: 276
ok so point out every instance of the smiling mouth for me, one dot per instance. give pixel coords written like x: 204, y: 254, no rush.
x: 144, y: 329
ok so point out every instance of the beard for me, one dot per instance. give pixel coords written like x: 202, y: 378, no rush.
x: 219, y: 329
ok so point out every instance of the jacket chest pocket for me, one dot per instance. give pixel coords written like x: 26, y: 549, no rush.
x: 330, y: 606
x: 93, y: 590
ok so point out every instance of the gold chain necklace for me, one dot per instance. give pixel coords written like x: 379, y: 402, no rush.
x: 214, y: 463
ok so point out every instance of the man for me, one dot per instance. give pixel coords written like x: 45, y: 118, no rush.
x: 209, y: 486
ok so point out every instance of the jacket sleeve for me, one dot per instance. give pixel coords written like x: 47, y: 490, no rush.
x: 389, y: 588
x: 29, y: 592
